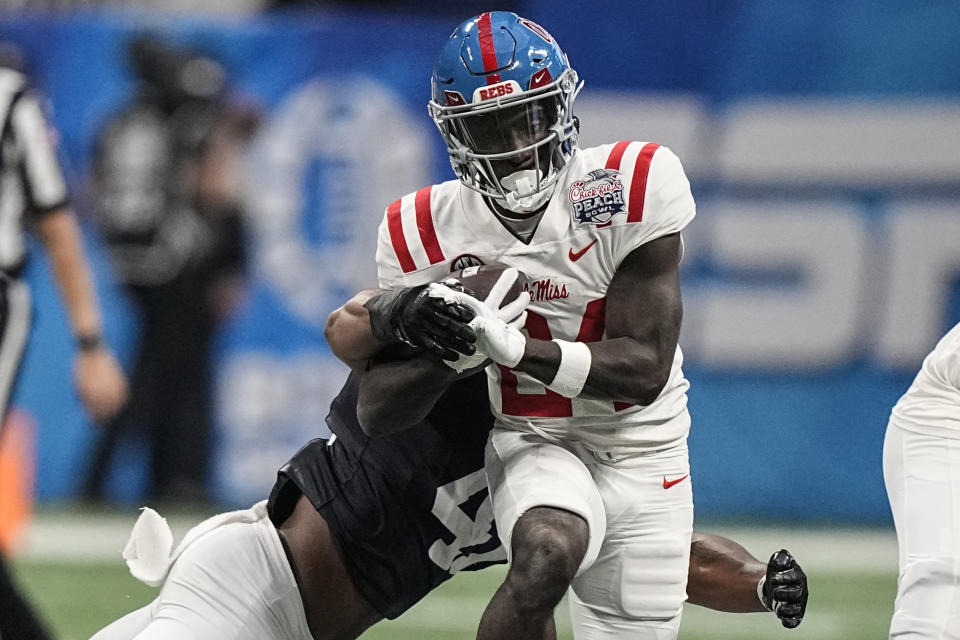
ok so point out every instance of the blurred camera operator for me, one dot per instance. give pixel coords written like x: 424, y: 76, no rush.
x: 165, y: 177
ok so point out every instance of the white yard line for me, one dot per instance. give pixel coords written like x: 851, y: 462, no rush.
x: 87, y: 538
x: 822, y: 549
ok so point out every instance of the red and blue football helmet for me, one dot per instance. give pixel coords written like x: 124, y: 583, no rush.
x: 502, y: 97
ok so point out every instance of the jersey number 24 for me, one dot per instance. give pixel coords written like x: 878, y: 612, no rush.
x: 527, y: 397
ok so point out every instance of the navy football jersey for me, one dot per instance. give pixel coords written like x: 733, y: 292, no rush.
x: 409, y: 509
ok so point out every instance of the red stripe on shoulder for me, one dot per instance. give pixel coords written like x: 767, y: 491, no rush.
x: 428, y: 234
x: 395, y: 226
x: 613, y: 162
x: 638, y: 187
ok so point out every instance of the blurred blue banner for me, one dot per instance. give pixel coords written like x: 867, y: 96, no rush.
x: 821, y: 268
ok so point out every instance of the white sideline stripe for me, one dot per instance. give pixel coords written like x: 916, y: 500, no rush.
x: 94, y: 539
x: 849, y: 550
x: 101, y: 538
x: 58, y: 537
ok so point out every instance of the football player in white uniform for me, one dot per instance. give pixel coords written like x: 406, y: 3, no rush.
x: 587, y: 464
x: 921, y: 468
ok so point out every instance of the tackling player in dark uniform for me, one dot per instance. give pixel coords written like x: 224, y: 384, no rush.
x: 370, y: 525
x: 422, y: 494
x: 380, y: 502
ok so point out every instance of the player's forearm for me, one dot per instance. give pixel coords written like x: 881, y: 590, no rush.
x: 624, y: 369
x: 723, y: 575
x: 398, y: 394
x: 61, y: 237
x: 621, y: 369
x: 396, y: 390
x: 348, y: 331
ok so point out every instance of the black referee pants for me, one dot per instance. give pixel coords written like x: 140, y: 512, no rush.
x: 17, y: 620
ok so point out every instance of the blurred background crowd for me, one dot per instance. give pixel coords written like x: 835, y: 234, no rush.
x: 229, y: 170
x: 229, y: 161
x: 248, y: 7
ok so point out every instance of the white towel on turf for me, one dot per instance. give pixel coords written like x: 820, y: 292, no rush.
x: 149, y: 551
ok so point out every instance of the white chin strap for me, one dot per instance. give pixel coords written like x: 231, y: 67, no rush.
x: 523, y: 182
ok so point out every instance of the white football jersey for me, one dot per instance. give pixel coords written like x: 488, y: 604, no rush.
x: 610, y: 200
x: 932, y: 403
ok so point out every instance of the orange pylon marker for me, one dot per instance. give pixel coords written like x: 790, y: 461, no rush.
x: 17, y: 475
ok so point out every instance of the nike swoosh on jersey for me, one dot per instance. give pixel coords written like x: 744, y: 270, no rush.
x: 576, y: 255
x: 669, y: 483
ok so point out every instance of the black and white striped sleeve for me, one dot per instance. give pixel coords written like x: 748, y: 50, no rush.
x: 45, y: 187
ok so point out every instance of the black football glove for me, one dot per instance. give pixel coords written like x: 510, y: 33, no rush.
x: 785, y: 589
x: 411, y: 316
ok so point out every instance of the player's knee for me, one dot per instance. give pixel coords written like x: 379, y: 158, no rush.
x: 928, y: 587
x: 548, y: 546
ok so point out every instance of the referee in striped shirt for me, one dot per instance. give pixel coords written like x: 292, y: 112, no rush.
x: 33, y: 195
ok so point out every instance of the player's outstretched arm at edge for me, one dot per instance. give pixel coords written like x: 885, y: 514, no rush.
x: 723, y: 575
x: 399, y: 385
x: 726, y: 577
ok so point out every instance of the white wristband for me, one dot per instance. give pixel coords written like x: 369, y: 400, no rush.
x: 760, y: 584
x: 574, y: 367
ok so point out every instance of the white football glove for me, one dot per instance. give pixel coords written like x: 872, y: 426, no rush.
x: 498, y: 330
x: 462, y: 363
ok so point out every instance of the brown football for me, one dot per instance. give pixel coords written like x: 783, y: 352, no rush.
x: 479, y: 280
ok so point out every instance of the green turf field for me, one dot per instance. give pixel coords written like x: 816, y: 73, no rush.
x: 79, y: 598
x: 77, y: 579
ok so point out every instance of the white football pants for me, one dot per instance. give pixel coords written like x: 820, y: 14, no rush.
x: 232, y: 583
x: 922, y: 474
x: 639, y: 509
